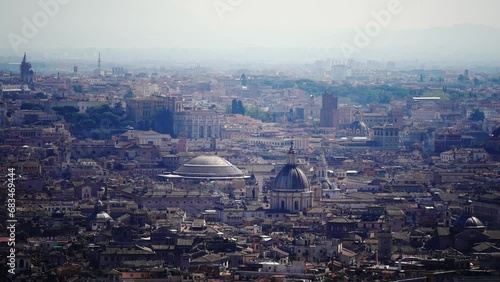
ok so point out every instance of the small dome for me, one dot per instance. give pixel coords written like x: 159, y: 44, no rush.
x: 326, y: 185
x: 209, y: 167
x: 473, y: 223
x: 467, y: 220
x: 99, y: 216
x: 103, y: 216
x: 496, y: 133
x: 358, y: 129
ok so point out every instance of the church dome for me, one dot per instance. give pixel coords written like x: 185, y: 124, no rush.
x: 209, y: 167
x: 358, y: 129
x: 291, y: 178
x: 326, y: 185
x: 467, y: 220
x: 473, y: 223
x: 103, y: 216
x: 496, y: 133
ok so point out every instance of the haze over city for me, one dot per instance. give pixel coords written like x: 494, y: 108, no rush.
x: 436, y: 32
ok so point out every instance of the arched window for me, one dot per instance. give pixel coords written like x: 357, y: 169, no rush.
x: 202, y: 132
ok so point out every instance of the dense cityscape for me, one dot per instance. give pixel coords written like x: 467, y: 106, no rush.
x: 265, y: 141
x: 361, y: 172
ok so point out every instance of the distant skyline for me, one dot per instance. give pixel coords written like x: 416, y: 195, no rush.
x: 240, y: 24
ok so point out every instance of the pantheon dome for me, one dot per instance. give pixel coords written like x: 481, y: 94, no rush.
x: 210, y: 167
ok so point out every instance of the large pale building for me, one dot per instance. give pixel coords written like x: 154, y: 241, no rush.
x: 387, y: 136
x: 145, y: 107
x: 198, y: 123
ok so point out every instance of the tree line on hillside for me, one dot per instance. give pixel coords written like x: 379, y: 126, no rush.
x: 100, y: 122
x: 382, y: 94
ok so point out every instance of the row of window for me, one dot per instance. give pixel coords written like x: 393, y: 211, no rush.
x: 177, y: 202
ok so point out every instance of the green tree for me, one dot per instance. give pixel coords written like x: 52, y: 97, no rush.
x: 31, y: 106
x: 384, y: 99
x: 78, y: 88
x: 41, y: 95
x: 130, y: 94
x: 89, y: 123
x: 76, y: 118
x: 476, y: 81
x: 234, y: 106
x: 240, y: 108
x: 112, y: 118
x: 163, y: 122
x: 463, y: 78
x: 63, y: 110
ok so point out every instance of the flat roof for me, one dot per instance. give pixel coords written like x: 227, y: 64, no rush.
x: 426, y: 98
x: 204, y: 177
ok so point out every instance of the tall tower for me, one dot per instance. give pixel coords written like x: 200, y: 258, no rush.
x: 213, y: 143
x: 322, y: 167
x: 98, y: 71
x: 328, y: 113
x: 182, y: 145
x: 99, y: 62
x: 384, y: 244
x: 27, y: 72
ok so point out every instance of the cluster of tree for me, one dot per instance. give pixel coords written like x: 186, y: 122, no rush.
x: 41, y: 95
x: 78, y: 88
x: 97, y: 122
x: 265, y: 116
x: 496, y: 80
x: 31, y: 106
x: 463, y: 78
x: 129, y: 95
x: 237, y: 107
x: 162, y: 122
x: 383, y: 94
x: 310, y: 86
x: 359, y: 94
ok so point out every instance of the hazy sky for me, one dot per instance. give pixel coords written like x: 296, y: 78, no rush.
x: 196, y: 23
x: 242, y: 25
